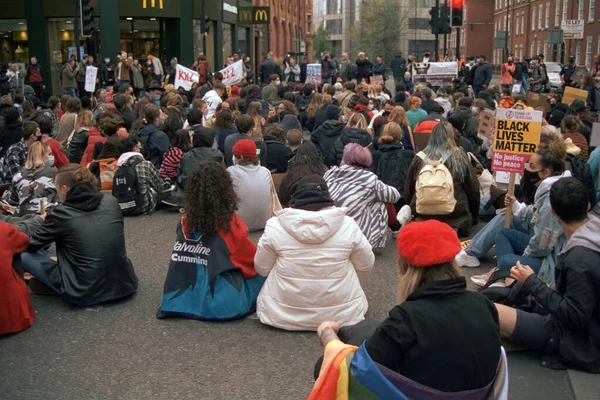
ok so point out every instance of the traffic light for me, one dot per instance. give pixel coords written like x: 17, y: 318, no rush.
x: 457, y: 13
x: 435, y: 20
x: 86, y: 17
x: 445, y: 20
x: 204, y: 25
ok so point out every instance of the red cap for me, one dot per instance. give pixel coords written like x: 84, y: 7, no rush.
x: 424, y: 244
x: 245, y: 148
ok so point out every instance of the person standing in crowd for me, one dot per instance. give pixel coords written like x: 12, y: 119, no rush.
x: 328, y: 68
x: 442, y: 148
x: 107, y: 75
x: 123, y: 69
x: 363, y: 68
x: 292, y: 71
x: 80, y: 76
x: 157, y: 68
x: 219, y: 282
x: 268, y: 68
x: 69, y: 77
x: 483, y: 75
x: 353, y: 186
x: 567, y: 71
x: 566, y: 318
x: 34, y: 77
x: 539, y: 77
x: 16, y: 311
x: 289, y: 252
x: 436, y: 320
x: 379, y: 67
x: 252, y: 185
x: 249, y: 70
x: 213, y: 98
x: 398, y: 67
x: 507, y: 72
x: 87, y: 228
x: 347, y: 68
x: 137, y: 78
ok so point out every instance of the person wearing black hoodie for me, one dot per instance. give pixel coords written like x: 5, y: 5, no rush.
x: 92, y: 265
x: 326, y: 135
x: 254, y: 95
x: 428, y: 102
x: 349, y: 135
x: 274, y: 154
x: 565, y: 321
x: 12, y: 131
x: 327, y: 113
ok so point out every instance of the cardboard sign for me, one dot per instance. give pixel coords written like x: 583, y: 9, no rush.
x: 437, y: 74
x: 486, y: 123
x: 536, y: 100
x: 91, y: 73
x: 313, y: 74
x: 595, y: 137
x: 233, y: 74
x: 572, y: 93
x: 377, y: 80
x: 185, y: 77
x: 516, y: 138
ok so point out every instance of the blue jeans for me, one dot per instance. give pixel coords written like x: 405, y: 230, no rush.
x: 71, y: 92
x: 524, y: 79
x: 477, y: 89
x: 510, y: 245
x: 38, y: 264
x: 485, y: 239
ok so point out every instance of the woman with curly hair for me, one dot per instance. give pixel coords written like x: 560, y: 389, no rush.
x: 211, y: 273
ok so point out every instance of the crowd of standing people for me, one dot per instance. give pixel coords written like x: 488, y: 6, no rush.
x: 330, y: 173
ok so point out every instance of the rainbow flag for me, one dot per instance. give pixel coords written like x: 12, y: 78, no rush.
x: 349, y: 373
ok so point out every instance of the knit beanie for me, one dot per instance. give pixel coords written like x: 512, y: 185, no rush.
x: 429, y: 243
x: 245, y: 148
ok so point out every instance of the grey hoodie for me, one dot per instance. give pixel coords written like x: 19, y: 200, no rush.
x: 587, y: 236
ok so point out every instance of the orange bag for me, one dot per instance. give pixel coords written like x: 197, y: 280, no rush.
x: 108, y: 167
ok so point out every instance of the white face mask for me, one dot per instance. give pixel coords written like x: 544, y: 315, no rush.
x: 474, y: 110
x: 278, y: 82
x: 371, y: 107
x: 50, y: 160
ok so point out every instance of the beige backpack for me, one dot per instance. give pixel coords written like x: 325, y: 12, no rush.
x: 434, y: 189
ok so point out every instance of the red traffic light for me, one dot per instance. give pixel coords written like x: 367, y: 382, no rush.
x: 458, y: 3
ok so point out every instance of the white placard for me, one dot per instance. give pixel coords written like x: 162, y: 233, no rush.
x: 233, y: 74
x: 91, y: 73
x: 572, y: 28
x: 185, y: 77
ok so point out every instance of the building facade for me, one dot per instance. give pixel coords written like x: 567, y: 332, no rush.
x: 476, y: 35
x: 164, y: 28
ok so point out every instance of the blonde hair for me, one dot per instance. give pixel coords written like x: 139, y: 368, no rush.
x: 357, y: 120
x: 398, y: 115
x: 84, y: 120
x: 392, y: 133
x: 36, y: 155
x: 412, y: 278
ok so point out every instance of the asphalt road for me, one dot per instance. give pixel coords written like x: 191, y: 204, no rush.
x: 121, y: 351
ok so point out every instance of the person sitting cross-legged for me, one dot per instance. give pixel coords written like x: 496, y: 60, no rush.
x: 211, y: 273
x: 88, y: 230
x: 310, y: 253
x: 565, y: 322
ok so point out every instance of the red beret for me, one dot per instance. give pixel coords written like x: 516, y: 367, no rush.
x: 423, y: 244
x: 245, y: 148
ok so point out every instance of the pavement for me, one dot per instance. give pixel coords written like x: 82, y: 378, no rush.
x: 121, y: 351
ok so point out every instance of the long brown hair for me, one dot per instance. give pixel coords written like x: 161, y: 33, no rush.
x: 412, y: 278
x: 84, y: 120
x: 315, y: 105
x: 398, y: 115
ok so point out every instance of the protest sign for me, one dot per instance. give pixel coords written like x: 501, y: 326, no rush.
x: 572, y: 93
x: 536, y: 100
x: 595, y: 137
x: 91, y: 73
x: 185, y: 77
x: 486, y: 123
x: 233, y: 74
x: 516, y: 138
x: 377, y: 80
x: 437, y: 74
x: 313, y: 74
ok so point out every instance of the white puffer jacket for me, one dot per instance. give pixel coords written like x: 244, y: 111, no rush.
x: 310, y: 258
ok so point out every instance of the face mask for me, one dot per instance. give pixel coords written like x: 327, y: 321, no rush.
x: 233, y: 159
x: 156, y: 99
x: 471, y: 63
x: 532, y: 177
x: 479, y: 60
x: 344, y: 119
x: 407, y: 78
x: 173, y: 63
x: 38, y: 138
x: 148, y: 62
x: 107, y: 60
x: 278, y: 82
x: 474, y: 110
x: 371, y: 106
x: 426, y: 54
x: 386, y: 113
x: 161, y: 120
x: 50, y: 161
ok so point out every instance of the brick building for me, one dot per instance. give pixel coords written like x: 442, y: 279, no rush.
x: 477, y: 34
x: 290, y: 29
x: 527, y: 22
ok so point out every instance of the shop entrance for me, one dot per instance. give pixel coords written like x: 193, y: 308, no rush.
x: 143, y: 36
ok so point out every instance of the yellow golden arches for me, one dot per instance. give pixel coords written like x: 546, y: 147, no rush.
x: 152, y: 3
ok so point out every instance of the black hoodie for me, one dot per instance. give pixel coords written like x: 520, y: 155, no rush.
x: 325, y: 136
x: 349, y: 135
x: 92, y: 263
x: 11, y: 133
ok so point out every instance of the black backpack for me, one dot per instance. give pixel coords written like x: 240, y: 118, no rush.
x: 581, y: 170
x: 392, y: 168
x: 126, y: 188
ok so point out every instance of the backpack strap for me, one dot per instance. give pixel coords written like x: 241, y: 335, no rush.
x: 421, y: 155
x: 412, y: 139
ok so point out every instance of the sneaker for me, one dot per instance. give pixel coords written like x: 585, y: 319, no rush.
x: 465, y: 260
x: 404, y: 215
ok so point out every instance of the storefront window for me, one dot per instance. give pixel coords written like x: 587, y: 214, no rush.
x: 209, y: 52
x: 141, y: 37
x: 227, y: 36
x: 242, y: 40
x: 13, y: 40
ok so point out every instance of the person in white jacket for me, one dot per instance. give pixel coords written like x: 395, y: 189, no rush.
x: 310, y: 254
x: 213, y: 98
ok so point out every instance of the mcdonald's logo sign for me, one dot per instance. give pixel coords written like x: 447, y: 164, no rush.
x: 254, y: 15
x: 152, y: 4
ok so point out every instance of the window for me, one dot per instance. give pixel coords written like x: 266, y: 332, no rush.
x: 539, y: 47
x: 532, y: 49
x: 533, y: 9
x: 588, y: 52
x: 540, y: 17
x: 565, y: 9
x: 592, y: 11
x: 547, y: 24
x: 523, y: 23
x: 578, y: 51
x: 496, y: 4
x: 508, y: 27
x: 580, y: 10
x: 557, y: 14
